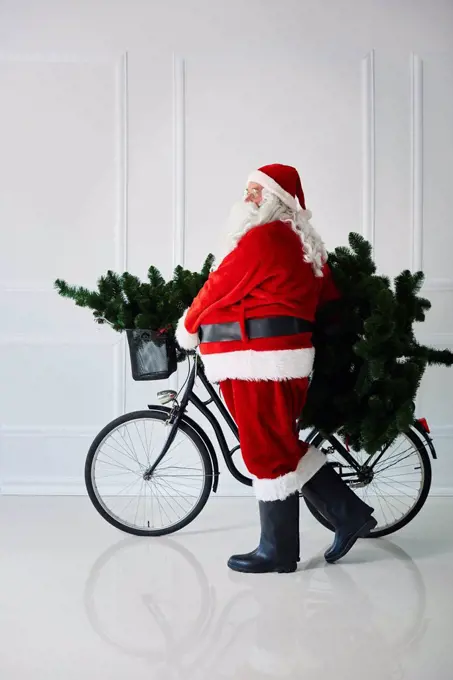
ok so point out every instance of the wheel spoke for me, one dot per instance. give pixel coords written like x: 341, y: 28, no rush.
x: 400, y: 483
x: 165, y: 498
x: 382, y: 469
x: 170, y: 486
x: 118, y: 451
x: 120, y: 467
x: 126, y: 446
x: 138, y: 501
x: 380, y: 501
x: 113, y: 474
x: 141, y: 441
x: 162, y: 484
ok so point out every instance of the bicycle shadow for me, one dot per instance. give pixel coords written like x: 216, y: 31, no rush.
x: 321, y: 621
x: 270, y: 623
x: 217, y: 530
x: 381, y: 549
x: 427, y: 546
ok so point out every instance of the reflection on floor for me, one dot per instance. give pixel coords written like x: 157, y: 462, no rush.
x: 81, y: 600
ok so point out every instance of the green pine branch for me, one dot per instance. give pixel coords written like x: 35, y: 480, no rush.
x: 125, y: 302
x: 367, y: 373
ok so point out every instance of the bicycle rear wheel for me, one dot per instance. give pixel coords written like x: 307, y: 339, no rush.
x: 114, y: 474
x: 398, y: 487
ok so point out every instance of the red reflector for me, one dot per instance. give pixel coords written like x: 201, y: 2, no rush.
x: 424, y: 423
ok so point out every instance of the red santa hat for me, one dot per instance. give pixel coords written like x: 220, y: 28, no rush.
x: 282, y: 181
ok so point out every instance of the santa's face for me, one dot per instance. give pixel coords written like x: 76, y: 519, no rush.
x: 257, y: 206
x: 254, y: 193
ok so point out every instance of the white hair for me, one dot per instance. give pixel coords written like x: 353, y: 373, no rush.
x: 246, y: 215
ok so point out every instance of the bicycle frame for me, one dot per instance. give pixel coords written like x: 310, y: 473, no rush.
x: 338, y: 446
x: 178, y: 414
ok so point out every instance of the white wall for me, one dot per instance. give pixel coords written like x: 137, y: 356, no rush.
x: 127, y: 130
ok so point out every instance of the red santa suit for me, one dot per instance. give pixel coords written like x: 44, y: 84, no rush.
x: 264, y: 380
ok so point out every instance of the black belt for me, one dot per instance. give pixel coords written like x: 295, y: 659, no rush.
x: 268, y: 327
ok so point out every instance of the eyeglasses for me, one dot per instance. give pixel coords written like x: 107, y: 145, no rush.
x: 252, y: 193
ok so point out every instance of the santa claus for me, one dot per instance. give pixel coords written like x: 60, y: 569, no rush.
x: 253, y: 323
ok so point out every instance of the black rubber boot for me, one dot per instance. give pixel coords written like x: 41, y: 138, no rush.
x: 279, y: 546
x: 335, y: 500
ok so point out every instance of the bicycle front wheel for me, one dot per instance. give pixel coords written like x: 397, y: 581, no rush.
x: 174, y: 495
x: 398, y: 487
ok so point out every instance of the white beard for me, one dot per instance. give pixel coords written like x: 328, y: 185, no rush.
x: 246, y: 215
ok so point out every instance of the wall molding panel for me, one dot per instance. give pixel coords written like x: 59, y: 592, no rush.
x: 122, y: 160
x: 121, y: 227
x: 114, y: 342
x: 72, y: 430
x: 120, y: 235
x: 439, y: 340
x: 417, y: 161
x: 179, y: 172
x: 48, y: 431
x: 369, y: 148
x: 43, y: 486
x: 179, y: 159
x: 434, y: 285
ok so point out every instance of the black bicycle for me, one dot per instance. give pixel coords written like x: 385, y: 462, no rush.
x: 150, y: 472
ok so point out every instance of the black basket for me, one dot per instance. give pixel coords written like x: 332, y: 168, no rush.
x: 153, y: 355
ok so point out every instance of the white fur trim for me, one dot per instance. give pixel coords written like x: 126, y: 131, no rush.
x: 185, y: 339
x: 275, y: 188
x: 284, y: 486
x: 281, y: 364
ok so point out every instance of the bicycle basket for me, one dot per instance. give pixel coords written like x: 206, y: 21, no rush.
x: 153, y: 355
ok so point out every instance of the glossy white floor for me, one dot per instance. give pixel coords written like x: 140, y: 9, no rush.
x: 80, y: 600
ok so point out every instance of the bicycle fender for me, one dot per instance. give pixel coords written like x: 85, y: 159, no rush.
x: 311, y: 435
x: 203, y: 436
x: 417, y: 426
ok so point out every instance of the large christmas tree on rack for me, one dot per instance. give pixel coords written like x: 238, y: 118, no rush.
x: 368, y: 363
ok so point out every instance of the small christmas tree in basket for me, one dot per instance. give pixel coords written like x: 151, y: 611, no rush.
x: 148, y: 311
